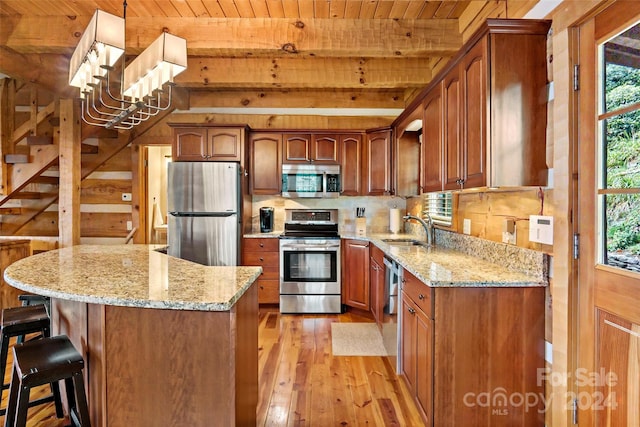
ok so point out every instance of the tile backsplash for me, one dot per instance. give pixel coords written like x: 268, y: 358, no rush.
x: 376, y: 210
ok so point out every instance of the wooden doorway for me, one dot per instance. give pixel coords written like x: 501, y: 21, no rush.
x: 608, y: 349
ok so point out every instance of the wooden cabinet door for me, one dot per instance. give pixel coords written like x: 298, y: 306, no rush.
x: 265, y: 163
x: 190, y: 144
x: 473, y: 71
x: 355, y: 274
x: 408, y: 347
x: 297, y: 148
x: 617, y: 376
x: 325, y: 149
x: 424, y: 364
x: 431, y: 164
x: 225, y: 144
x: 350, y: 164
x: 377, y: 163
x: 453, y: 172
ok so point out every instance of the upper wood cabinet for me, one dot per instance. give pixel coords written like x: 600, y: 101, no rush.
x: 199, y: 144
x: 265, y: 164
x: 431, y: 158
x: 351, y: 164
x: 376, y: 171
x: 489, y: 110
x: 311, y: 148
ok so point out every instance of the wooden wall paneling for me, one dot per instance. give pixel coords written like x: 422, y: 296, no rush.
x: 69, y: 165
x: 94, y: 191
x: 488, y: 211
x: 92, y: 224
x: 7, y: 121
x: 10, y: 252
x: 473, y: 21
x: 138, y: 194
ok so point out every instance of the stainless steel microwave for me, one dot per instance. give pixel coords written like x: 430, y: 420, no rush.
x: 310, y: 180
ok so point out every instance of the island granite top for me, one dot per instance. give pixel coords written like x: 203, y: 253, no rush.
x: 130, y: 276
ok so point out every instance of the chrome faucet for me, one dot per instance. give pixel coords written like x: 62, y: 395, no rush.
x: 427, y: 225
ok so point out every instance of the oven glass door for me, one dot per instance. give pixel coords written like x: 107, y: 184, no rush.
x: 309, y: 266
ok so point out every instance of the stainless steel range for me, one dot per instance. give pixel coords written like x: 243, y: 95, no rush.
x: 310, y: 262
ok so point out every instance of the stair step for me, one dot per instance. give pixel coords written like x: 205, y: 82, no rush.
x: 39, y: 140
x: 31, y: 195
x: 51, y: 180
x: 16, y: 158
x: 88, y: 149
x: 10, y: 211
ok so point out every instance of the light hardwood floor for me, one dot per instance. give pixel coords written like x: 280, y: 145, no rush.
x: 303, y: 384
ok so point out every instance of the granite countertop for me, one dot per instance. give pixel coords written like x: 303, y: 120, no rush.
x: 440, y: 266
x: 131, y: 276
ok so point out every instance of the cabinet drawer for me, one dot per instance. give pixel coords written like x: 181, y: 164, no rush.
x: 271, y: 245
x: 266, y: 260
x: 421, y: 294
x: 268, y: 291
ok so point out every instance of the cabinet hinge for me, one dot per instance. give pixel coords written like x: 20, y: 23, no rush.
x: 574, y: 418
x: 146, y: 163
x: 576, y: 246
x: 576, y: 77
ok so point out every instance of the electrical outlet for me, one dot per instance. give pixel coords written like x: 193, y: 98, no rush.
x: 129, y: 225
x: 466, y: 226
x: 509, y: 231
x: 126, y: 197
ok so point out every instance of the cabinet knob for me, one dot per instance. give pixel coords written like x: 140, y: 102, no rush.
x: 262, y: 245
x: 261, y: 287
x: 420, y: 296
x: 261, y: 259
x: 411, y: 310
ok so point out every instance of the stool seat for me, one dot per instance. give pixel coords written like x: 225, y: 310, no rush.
x: 30, y: 318
x: 18, y: 322
x: 54, y: 358
x: 42, y: 361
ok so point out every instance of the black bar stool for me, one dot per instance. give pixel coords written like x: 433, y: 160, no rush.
x: 17, y: 322
x: 47, y: 360
x: 28, y: 299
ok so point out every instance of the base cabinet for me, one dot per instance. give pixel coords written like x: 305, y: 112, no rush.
x: 355, y: 274
x: 264, y: 252
x: 468, y: 353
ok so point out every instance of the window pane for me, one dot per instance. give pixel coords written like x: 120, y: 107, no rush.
x: 622, y: 151
x: 622, y: 69
x: 622, y: 223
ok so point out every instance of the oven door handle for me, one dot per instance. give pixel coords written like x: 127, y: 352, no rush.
x: 307, y: 247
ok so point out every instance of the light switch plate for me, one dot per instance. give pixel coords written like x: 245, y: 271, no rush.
x: 126, y: 197
x: 541, y: 229
x: 466, y: 226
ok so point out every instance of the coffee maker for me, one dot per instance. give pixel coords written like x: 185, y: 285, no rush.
x: 266, y: 220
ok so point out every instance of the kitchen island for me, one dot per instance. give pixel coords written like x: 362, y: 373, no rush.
x: 166, y: 341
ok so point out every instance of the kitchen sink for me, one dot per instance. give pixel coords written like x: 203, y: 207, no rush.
x: 403, y: 242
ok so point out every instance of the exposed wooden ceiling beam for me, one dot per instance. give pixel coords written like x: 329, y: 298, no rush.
x: 251, y: 37
x: 346, y: 73
x: 298, y: 98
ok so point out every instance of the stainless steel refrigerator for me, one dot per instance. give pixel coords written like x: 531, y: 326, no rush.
x: 204, y: 212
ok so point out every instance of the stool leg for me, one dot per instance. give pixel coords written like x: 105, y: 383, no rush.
x: 10, y: 415
x: 80, y: 400
x: 23, y: 406
x: 4, y: 351
x: 57, y: 400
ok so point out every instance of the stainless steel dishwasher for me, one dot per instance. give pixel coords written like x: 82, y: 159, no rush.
x: 391, y: 332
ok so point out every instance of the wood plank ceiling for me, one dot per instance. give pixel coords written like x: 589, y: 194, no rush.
x: 261, y: 53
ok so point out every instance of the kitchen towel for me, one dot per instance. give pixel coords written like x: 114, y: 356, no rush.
x: 395, y: 220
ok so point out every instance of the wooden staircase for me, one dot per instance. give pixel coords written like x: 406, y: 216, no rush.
x: 30, y: 154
